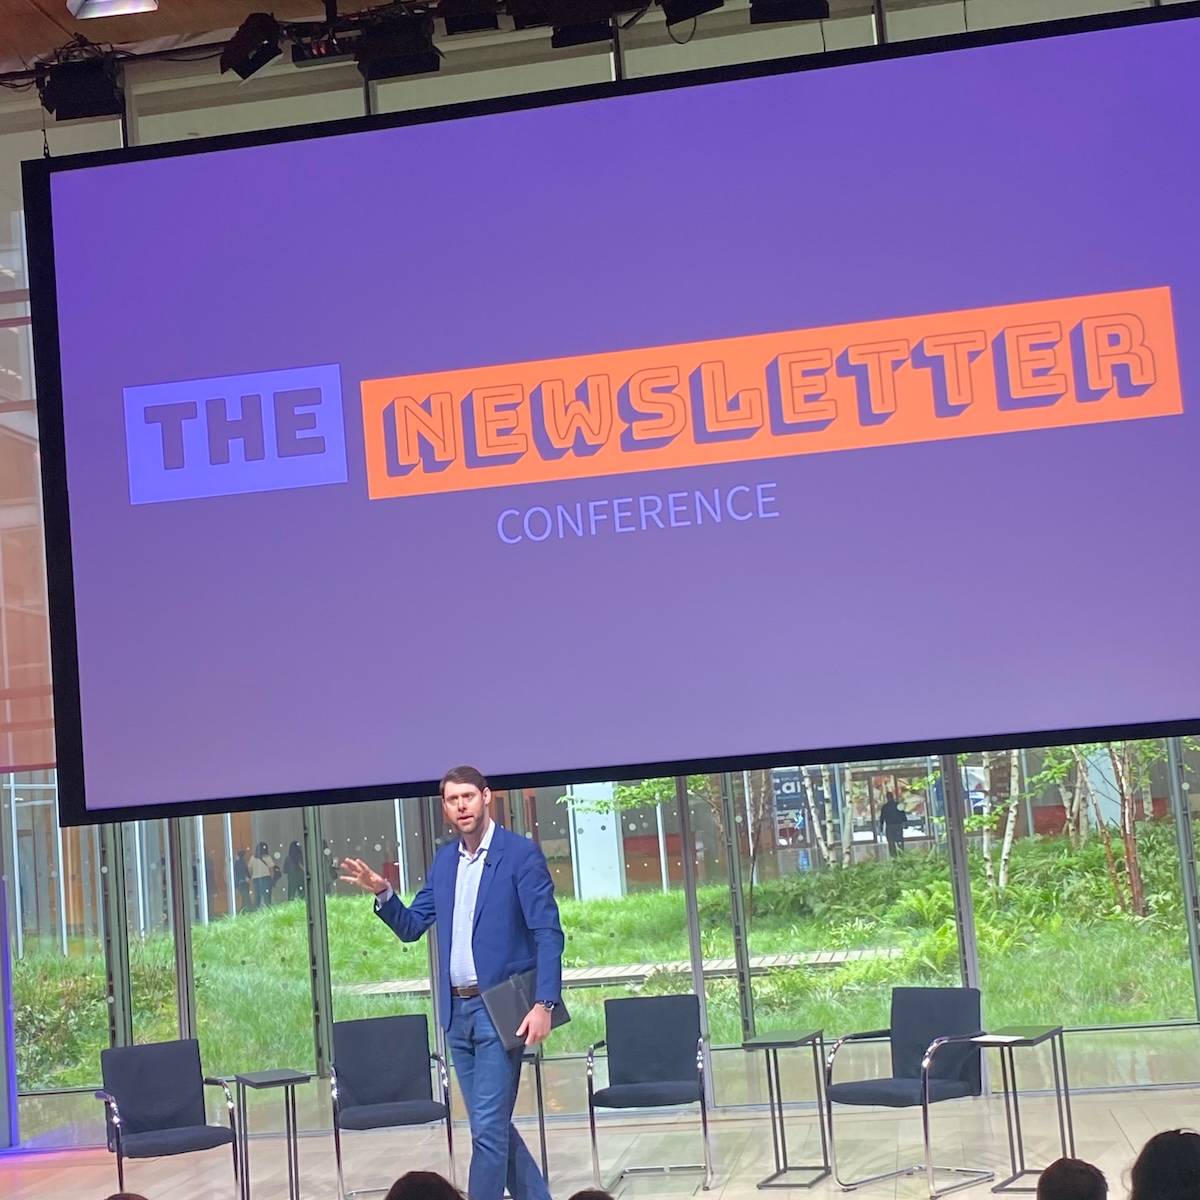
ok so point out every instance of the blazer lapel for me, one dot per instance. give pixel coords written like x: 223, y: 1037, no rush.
x: 444, y: 905
x: 490, y: 863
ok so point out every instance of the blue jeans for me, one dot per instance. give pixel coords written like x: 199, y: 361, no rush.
x: 489, y: 1076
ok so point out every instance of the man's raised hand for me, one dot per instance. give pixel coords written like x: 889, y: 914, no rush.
x: 359, y: 874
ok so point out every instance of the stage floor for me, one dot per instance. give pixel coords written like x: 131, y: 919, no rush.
x: 1109, y: 1127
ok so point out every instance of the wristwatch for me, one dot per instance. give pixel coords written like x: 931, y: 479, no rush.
x: 548, y: 1005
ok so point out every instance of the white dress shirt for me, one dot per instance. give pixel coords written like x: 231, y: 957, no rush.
x: 466, y: 893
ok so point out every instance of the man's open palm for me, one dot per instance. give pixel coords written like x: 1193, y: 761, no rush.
x: 359, y: 874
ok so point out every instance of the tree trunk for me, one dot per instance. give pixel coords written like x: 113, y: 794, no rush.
x: 1133, y: 866
x: 759, y: 797
x: 847, y: 821
x: 832, y: 844
x: 1110, y: 861
x: 989, y: 873
x: 712, y: 797
x: 812, y: 820
x: 1074, y: 811
x: 1010, y: 823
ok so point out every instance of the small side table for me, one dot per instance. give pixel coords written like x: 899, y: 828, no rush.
x: 287, y: 1080
x: 771, y: 1044
x: 535, y: 1056
x: 1006, y: 1040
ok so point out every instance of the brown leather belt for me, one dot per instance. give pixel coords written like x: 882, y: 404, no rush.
x: 465, y: 993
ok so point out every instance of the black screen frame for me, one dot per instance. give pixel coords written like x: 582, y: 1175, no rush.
x: 39, y: 226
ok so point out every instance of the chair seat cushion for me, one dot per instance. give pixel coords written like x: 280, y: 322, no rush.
x: 185, y: 1138
x: 896, y: 1093
x: 385, y: 1116
x: 647, y: 1095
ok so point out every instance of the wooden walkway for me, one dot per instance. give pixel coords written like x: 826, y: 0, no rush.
x: 628, y: 974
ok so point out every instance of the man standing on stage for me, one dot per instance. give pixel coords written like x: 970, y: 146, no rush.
x: 493, y: 900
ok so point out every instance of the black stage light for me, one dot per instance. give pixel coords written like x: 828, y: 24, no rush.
x: 584, y: 33
x: 469, y: 16
x: 401, y: 45
x: 581, y: 22
x: 253, y: 46
x: 684, y: 10
x: 768, y: 12
x: 529, y: 14
x: 87, y: 87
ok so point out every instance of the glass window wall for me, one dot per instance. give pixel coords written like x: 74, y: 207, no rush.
x: 373, y: 973
x: 1078, y: 902
x: 1072, y: 853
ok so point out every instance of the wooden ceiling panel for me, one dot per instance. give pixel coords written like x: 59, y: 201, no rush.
x: 25, y: 29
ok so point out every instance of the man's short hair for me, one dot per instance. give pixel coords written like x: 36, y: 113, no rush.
x: 1072, y: 1179
x: 467, y: 775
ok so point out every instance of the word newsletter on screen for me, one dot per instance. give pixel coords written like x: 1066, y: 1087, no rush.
x: 1015, y: 368
x: 761, y: 398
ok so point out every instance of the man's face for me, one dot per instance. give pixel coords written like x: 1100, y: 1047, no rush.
x: 465, y: 807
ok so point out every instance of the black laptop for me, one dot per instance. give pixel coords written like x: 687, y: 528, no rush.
x: 508, y: 1004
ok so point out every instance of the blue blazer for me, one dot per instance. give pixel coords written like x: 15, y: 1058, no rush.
x: 516, y: 918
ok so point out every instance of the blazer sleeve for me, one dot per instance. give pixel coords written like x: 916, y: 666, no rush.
x: 535, y: 890
x: 408, y: 922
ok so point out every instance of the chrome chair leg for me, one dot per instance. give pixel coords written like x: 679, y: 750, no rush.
x: 850, y: 1185
x: 706, y: 1167
x: 927, y: 1141
x: 235, y: 1147
x: 439, y: 1062
x: 972, y: 1175
x: 450, y: 1146
x: 707, y: 1137
x: 595, y: 1149
x: 337, y: 1158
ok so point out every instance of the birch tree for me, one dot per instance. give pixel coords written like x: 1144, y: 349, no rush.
x: 812, y: 817
x: 847, y: 818
x: 1015, y: 796
x: 986, y: 821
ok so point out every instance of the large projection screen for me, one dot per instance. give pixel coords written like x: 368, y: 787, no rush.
x: 721, y: 420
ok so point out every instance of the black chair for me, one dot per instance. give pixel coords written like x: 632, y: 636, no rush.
x: 154, y: 1103
x: 655, y: 1059
x: 933, y: 1058
x: 380, y: 1079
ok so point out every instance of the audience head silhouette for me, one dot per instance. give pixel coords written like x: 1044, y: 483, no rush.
x: 423, y: 1185
x: 125, y: 1196
x: 592, y: 1194
x: 1168, y: 1167
x: 1072, y: 1179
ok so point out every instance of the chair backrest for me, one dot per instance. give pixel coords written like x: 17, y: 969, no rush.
x: 919, y: 1015
x: 382, y: 1060
x: 652, y: 1039
x: 157, y: 1086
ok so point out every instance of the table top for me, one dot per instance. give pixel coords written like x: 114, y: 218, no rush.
x: 281, y: 1077
x: 1018, y: 1035
x: 783, y: 1039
